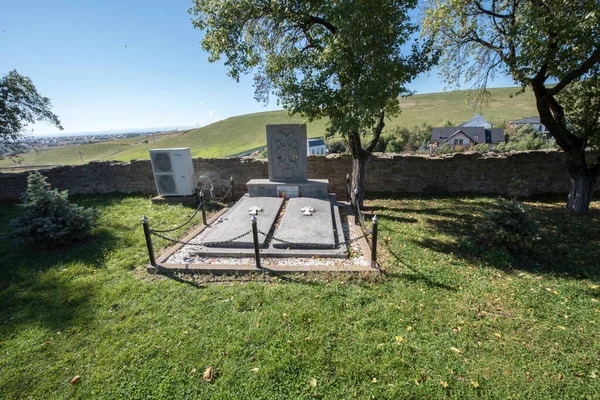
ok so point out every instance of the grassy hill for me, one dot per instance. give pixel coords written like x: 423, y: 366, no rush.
x: 245, y: 132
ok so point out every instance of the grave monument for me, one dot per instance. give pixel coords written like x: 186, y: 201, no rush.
x: 286, y: 146
x: 310, y: 223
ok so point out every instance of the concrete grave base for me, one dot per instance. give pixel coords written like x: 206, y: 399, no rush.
x: 268, y: 263
x: 296, y: 228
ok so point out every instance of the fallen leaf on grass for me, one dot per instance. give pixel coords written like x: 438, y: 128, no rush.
x: 475, y: 384
x: 208, y: 374
x: 313, y: 382
x: 193, y: 371
x: 122, y: 317
x: 399, y: 339
x: 498, y: 335
x: 374, y: 380
x: 75, y: 379
x: 255, y: 370
x: 444, y: 384
x: 456, y: 350
x: 409, y: 328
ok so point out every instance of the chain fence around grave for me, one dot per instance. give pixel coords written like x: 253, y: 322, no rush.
x: 270, y: 237
x: 255, y: 231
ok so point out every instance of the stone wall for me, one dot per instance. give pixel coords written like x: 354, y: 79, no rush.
x: 544, y: 171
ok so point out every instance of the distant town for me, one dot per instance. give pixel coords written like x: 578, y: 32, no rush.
x: 41, y: 143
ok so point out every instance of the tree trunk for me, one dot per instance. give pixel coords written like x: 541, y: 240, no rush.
x: 360, y: 157
x: 582, y: 186
x: 583, y: 176
x: 359, y: 175
x: 359, y: 169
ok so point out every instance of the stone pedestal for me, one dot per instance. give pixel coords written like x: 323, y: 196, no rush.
x: 315, y: 188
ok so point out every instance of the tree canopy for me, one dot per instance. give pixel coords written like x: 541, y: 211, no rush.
x: 550, y: 46
x: 20, y: 105
x: 344, y: 60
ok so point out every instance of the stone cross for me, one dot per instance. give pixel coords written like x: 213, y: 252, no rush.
x: 307, y: 210
x: 254, y: 210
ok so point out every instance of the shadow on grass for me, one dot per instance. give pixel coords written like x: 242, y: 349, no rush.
x: 40, y: 285
x: 569, y: 245
x: 417, y: 275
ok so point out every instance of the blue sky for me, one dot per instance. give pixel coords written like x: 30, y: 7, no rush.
x: 125, y: 64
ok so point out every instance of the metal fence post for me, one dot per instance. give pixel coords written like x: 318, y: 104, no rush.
x: 356, y: 210
x: 348, y: 188
x: 255, y: 240
x: 232, y: 188
x: 374, y: 241
x: 148, y: 241
x: 203, y: 208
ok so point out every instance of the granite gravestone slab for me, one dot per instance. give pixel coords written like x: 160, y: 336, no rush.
x: 286, y: 146
x: 237, y: 221
x: 307, y: 222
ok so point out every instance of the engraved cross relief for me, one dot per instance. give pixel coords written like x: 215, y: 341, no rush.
x: 307, y: 211
x: 287, y: 153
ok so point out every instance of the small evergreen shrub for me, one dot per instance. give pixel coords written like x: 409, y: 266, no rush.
x: 509, y: 223
x: 49, y: 217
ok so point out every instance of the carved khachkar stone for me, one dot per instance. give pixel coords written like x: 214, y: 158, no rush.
x: 287, y: 152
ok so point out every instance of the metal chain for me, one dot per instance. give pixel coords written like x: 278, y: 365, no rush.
x: 193, y: 215
x: 180, y: 226
x: 301, y: 245
x: 361, y: 219
x: 349, y: 241
x: 222, y: 198
x: 313, y: 245
x: 205, y: 244
x: 215, y: 244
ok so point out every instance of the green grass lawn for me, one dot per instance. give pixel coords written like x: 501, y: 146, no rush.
x: 447, y: 319
x: 245, y: 132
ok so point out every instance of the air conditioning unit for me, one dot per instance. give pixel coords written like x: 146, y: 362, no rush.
x: 173, y: 171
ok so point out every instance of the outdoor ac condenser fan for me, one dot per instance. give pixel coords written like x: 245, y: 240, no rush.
x: 173, y: 171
